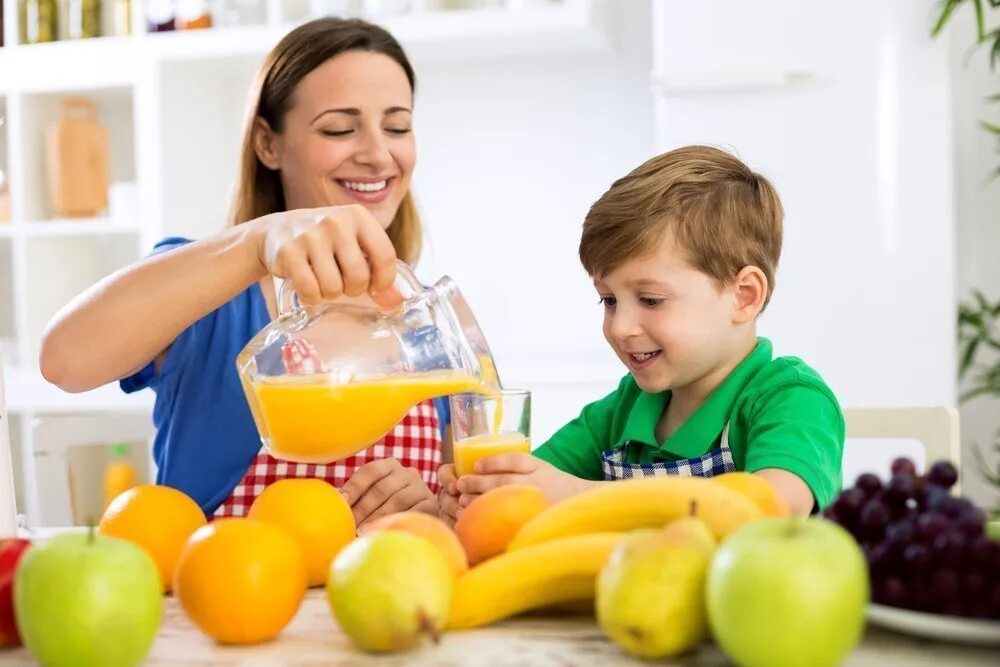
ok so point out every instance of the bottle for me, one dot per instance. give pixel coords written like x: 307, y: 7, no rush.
x: 83, y: 19
x: 39, y: 21
x: 119, y: 475
x: 193, y: 14
x: 160, y: 16
x: 121, y: 18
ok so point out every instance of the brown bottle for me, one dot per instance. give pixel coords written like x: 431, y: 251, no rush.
x: 77, y: 161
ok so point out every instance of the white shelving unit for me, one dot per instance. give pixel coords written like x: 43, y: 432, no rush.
x: 172, y: 103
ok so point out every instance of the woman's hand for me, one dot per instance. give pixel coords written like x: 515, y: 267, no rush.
x: 503, y: 469
x: 328, y: 252
x: 384, y: 487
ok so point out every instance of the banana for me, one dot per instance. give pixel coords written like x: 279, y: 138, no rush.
x: 537, y: 576
x: 640, y: 503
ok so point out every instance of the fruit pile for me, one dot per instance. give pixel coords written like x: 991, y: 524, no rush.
x: 664, y: 563
x: 926, y: 549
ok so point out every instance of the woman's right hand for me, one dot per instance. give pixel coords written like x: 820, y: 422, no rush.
x: 329, y: 252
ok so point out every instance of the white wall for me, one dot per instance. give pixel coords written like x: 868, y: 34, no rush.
x: 512, y: 153
x: 977, y: 206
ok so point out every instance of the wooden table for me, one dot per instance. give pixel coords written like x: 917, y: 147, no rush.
x: 313, y: 639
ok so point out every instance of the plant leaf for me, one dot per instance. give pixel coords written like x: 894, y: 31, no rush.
x: 980, y: 21
x: 967, y: 357
x: 948, y: 6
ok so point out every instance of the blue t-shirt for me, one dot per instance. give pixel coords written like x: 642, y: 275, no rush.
x: 205, y: 435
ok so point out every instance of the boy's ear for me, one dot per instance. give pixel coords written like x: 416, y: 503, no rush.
x: 750, y: 291
x: 265, y: 142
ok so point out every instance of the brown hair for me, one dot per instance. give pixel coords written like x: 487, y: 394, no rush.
x: 258, y: 190
x: 723, y: 215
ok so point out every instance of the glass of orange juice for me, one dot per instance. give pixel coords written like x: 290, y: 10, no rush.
x: 489, y: 424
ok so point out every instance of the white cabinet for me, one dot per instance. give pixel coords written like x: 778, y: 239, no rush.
x: 845, y: 107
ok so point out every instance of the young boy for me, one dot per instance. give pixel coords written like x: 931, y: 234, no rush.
x: 683, y: 253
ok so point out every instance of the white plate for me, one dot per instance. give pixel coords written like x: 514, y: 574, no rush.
x: 935, y: 626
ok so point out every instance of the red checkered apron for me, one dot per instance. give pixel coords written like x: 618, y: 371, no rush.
x: 415, y: 442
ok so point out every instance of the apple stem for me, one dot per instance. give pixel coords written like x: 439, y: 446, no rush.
x: 428, y: 626
x: 796, y: 525
x: 91, y: 531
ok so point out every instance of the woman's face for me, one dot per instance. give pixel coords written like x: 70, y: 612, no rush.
x: 347, y: 138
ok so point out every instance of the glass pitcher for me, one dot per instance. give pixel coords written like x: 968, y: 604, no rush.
x: 324, y: 382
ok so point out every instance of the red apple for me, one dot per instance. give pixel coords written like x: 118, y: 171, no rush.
x: 10, y: 553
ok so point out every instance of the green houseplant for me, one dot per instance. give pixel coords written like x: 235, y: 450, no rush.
x: 979, y: 317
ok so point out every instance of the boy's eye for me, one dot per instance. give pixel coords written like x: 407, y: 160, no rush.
x: 650, y: 302
x: 608, y: 301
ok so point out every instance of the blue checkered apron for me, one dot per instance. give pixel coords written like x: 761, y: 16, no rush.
x: 715, y: 462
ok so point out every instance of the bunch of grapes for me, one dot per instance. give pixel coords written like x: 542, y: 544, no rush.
x: 926, y: 549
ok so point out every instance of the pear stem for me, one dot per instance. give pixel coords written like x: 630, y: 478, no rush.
x: 91, y: 531
x: 428, y: 626
x: 694, y: 508
x: 796, y: 525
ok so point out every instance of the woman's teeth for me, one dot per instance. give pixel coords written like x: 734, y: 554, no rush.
x: 365, y: 187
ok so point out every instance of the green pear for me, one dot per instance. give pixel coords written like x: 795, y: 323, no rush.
x: 389, y: 590
x: 651, y: 592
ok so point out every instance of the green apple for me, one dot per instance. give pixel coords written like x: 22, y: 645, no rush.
x: 993, y: 530
x: 788, y: 591
x: 85, y: 600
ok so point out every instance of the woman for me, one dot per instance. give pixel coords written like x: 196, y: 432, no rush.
x: 322, y: 199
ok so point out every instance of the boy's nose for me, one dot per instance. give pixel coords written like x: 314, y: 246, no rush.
x: 624, y: 327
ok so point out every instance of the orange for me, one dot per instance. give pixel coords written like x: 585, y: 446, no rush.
x: 432, y: 529
x: 315, y: 514
x: 757, y: 489
x: 159, y: 519
x: 241, y: 581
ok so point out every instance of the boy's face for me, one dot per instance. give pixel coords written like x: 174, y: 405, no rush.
x: 670, y: 324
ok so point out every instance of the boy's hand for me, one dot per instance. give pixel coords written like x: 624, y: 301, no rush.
x: 504, y: 469
x: 448, y: 495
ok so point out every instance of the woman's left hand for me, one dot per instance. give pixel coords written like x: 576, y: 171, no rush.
x: 384, y: 487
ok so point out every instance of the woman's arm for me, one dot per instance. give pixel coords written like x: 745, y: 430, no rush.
x: 130, y: 317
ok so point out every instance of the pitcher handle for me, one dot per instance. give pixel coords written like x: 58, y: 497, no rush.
x: 406, y: 283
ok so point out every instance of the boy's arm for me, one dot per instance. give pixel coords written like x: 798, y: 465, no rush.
x: 796, y: 441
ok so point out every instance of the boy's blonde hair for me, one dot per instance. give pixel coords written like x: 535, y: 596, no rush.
x: 723, y: 215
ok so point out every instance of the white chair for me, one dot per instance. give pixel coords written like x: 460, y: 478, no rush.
x: 925, y: 434
x: 52, y: 437
x: 8, y: 510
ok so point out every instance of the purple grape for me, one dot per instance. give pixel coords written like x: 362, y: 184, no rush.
x: 874, y: 518
x: 955, y: 608
x: 903, y: 466
x: 901, y: 533
x: 973, y: 583
x: 942, y: 473
x: 951, y: 507
x: 868, y: 483
x: 848, y: 504
x: 949, y: 549
x: 880, y: 558
x: 972, y: 522
x: 930, y: 525
x: 917, y: 558
x: 900, y: 489
x: 944, y: 584
x: 981, y: 551
x: 892, y: 592
x: 930, y: 497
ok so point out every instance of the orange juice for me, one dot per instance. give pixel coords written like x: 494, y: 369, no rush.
x: 311, y: 420
x: 470, y: 450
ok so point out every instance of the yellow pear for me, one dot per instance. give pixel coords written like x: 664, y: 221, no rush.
x: 390, y: 590
x: 651, y: 592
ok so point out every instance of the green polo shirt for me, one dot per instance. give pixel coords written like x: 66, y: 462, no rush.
x: 780, y: 414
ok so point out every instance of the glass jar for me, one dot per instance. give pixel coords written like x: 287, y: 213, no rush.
x: 324, y: 382
x: 159, y: 16
x: 39, y: 21
x: 193, y: 15
x: 81, y: 19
